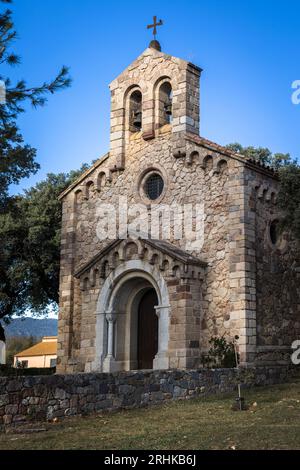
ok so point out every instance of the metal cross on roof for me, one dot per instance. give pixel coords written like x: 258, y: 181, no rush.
x: 154, y: 25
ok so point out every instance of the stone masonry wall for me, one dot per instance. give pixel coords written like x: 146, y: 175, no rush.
x: 27, y: 399
x: 277, y: 282
x: 186, y: 182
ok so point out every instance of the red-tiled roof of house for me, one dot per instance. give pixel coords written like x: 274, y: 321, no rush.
x: 47, y: 348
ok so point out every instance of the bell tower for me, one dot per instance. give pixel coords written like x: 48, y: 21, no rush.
x: 155, y: 90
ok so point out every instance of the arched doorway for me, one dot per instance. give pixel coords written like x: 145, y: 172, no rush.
x: 147, y: 346
x: 126, y: 337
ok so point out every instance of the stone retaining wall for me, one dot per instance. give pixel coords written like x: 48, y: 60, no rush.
x: 25, y: 399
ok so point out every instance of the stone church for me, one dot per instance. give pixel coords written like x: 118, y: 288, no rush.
x: 141, y: 302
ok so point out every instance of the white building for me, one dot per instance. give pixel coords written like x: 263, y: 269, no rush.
x: 40, y: 355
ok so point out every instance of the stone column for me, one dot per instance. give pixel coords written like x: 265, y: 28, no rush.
x: 100, y: 343
x: 66, y: 287
x: 242, y: 262
x: 109, y: 362
x: 161, y: 360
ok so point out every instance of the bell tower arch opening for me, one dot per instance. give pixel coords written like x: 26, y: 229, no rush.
x: 135, y: 111
x: 165, y: 108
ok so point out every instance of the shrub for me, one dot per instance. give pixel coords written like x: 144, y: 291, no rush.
x: 221, y: 353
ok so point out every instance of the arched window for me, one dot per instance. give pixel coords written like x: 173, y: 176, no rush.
x: 165, y: 104
x: 274, y: 232
x: 135, y: 111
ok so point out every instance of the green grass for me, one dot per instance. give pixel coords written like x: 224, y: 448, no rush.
x: 204, y: 423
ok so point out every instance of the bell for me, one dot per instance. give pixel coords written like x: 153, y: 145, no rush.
x: 137, y: 121
x: 168, y: 107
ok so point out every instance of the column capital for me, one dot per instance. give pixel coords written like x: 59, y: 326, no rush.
x: 161, y: 308
x: 111, y: 317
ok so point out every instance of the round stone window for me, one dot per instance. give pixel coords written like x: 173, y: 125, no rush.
x: 154, y: 186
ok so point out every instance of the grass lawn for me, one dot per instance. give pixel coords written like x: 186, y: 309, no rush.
x: 204, y: 423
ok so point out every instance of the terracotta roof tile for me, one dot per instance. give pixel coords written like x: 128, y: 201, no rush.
x: 47, y: 348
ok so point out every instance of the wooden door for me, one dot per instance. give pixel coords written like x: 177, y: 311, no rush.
x: 147, y: 330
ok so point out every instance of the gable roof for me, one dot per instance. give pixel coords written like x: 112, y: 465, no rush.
x: 254, y: 164
x: 48, y: 348
x: 162, y: 246
x: 150, y: 51
x: 213, y: 146
x: 84, y: 175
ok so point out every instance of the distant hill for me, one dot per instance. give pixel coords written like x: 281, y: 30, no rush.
x: 31, y: 327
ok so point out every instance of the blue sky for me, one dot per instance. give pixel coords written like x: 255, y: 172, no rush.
x: 249, y: 50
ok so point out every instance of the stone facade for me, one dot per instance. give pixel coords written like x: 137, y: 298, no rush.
x: 237, y: 283
x: 29, y: 399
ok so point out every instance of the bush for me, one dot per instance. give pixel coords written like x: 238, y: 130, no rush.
x: 221, y: 354
x: 8, y: 371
